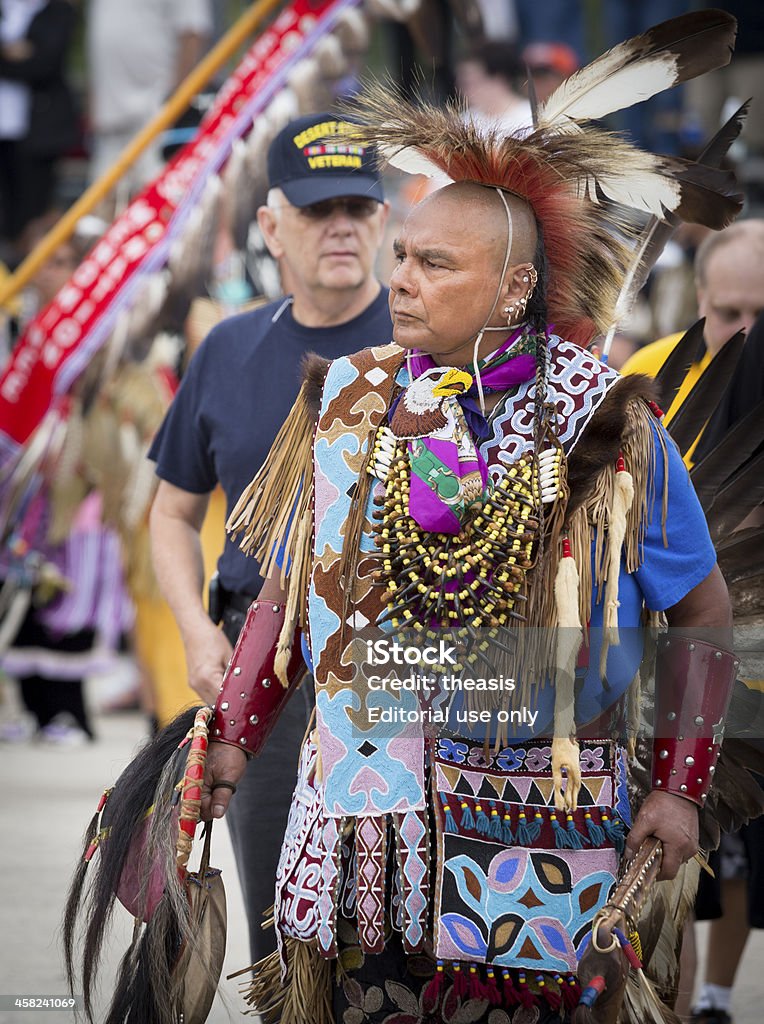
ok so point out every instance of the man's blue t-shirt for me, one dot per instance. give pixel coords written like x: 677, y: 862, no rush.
x: 234, y: 397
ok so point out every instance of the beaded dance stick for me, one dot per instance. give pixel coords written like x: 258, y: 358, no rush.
x: 602, y: 972
x: 191, y: 788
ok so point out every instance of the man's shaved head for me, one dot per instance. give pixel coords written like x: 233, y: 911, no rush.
x: 454, y: 279
x: 487, y: 210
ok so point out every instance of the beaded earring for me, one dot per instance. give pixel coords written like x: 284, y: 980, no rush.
x: 517, y: 308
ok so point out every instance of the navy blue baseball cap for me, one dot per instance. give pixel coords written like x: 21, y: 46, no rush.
x: 315, y: 158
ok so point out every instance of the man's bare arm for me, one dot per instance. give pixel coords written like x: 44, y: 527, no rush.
x: 705, y: 612
x: 176, y: 521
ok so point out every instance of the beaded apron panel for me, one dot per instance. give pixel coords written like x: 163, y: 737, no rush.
x: 518, y: 884
x: 318, y: 872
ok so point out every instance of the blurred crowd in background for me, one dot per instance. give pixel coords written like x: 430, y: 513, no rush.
x: 80, y: 78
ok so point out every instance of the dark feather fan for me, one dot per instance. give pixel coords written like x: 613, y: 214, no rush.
x: 737, y: 498
x: 741, y: 556
x: 697, y: 406
x: 738, y: 445
x: 674, y: 370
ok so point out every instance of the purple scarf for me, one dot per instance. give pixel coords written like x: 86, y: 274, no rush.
x: 502, y: 377
x: 425, y: 503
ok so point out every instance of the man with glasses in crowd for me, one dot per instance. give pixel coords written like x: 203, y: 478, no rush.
x: 323, y: 224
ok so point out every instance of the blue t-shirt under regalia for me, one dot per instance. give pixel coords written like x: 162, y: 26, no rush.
x: 236, y: 393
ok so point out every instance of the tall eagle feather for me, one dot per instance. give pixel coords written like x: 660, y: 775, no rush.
x: 667, y: 54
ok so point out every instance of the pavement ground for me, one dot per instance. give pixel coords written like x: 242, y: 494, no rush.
x: 48, y: 797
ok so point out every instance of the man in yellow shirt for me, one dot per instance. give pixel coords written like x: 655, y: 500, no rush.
x: 729, y: 281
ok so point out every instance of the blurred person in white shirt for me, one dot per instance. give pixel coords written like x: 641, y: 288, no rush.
x: 138, y: 53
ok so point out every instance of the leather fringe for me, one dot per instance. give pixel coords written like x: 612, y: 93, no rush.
x: 274, y: 513
x: 591, y: 517
x: 305, y: 994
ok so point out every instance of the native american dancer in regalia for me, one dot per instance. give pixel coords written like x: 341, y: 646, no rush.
x: 486, y: 485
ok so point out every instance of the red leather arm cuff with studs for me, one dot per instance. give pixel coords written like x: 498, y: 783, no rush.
x: 693, y: 685
x: 252, y: 696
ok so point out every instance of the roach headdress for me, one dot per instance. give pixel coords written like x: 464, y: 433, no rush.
x: 580, y: 181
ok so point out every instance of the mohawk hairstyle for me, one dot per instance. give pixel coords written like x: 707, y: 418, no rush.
x: 576, y: 178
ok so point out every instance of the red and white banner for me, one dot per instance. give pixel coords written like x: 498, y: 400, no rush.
x: 60, y: 342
